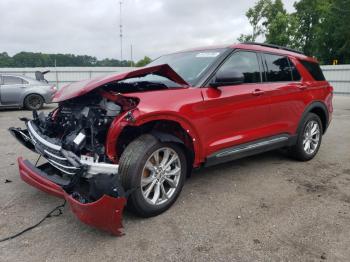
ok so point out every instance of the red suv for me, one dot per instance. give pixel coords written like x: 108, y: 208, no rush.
x: 134, y: 137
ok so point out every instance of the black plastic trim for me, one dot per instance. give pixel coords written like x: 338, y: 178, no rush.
x: 251, y: 148
x: 40, y: 170
x: 23, y: 137
x: 275, y: 47
x: 317, y: 104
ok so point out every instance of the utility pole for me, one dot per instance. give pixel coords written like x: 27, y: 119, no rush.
x: 132, y: 62
x: 121, y: 32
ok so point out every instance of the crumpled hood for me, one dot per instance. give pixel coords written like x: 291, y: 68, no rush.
x: 83, y: 87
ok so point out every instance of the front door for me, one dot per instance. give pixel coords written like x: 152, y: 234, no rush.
x: 237, y: 113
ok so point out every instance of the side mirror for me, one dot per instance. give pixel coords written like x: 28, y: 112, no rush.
x: 227, y: 78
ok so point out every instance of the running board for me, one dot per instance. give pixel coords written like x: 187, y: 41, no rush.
x: 251, y: 148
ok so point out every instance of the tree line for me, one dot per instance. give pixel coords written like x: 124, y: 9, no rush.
x: 319, y: 28
x: 30, y: 59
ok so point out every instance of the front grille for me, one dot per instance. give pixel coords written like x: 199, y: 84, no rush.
x: 50, y: 150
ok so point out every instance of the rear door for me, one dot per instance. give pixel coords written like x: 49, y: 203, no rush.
x: 236, y: 113
x: 284, y: 86
x: 11, y: 89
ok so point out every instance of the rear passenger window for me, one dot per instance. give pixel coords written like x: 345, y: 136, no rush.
x: 245, y: 63
x: 314, y: 69
x: 278, y: 68
x: 12, y: 80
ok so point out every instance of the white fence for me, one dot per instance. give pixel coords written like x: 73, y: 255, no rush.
x: 338, y: 76
x: 61, y: 76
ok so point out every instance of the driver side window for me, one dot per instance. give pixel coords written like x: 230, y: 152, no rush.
x: 246, y: 63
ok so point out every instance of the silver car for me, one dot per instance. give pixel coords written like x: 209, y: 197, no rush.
x: 21, y: 91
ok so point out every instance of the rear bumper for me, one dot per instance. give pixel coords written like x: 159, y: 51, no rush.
x: 105, y: 213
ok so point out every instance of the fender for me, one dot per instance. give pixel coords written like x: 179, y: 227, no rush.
x: 139, y: 119
x: 319, y: 105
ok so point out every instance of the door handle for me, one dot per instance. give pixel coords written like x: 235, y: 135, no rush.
x: 258, y: 92
x: 302, y: 87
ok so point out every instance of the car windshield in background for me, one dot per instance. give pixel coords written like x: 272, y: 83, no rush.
x: 190, y: 65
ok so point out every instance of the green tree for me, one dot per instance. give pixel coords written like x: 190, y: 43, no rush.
x: 310, y: 15
x: 29, y: 59
x: 257, y: 16
x: 319, y: 28
x: 334, y: 33
x: 146, y: 60
x: 5, y: 60
x: 270, y: 19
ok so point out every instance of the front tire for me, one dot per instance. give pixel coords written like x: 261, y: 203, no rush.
x: 309, y: 138
x: 155, y: 172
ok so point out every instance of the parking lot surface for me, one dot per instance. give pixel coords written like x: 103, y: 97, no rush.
x: 262, y: 208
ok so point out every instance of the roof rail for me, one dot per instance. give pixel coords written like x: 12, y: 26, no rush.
x: 274, y: 46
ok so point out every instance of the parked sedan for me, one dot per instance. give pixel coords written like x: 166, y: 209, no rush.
x: 22, y: 91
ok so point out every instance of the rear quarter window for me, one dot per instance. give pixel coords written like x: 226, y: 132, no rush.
x: 314, y: 69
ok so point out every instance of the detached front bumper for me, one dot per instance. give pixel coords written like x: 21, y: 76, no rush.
x: 105, y: 213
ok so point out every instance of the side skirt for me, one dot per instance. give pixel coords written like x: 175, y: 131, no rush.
x: 251, y: 148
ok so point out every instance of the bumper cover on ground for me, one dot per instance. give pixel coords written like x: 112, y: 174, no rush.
x: 105, y: 213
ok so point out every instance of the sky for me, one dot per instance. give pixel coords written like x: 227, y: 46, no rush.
x: 91, y: 27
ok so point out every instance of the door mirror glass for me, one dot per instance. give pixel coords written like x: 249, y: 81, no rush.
x: 226, y: 78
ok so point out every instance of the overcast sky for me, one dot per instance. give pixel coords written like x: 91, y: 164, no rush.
x: 91, y: 27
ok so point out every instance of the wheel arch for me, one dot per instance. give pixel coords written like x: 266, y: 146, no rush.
x: 320, y: 109
x: 166, y: 128
x: 31, y: 93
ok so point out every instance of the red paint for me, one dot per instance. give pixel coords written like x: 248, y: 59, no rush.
x: 214, y: 118
x: 84, y: 87
x: 37, y: 181
x: 226, y: 116
x: 105, y: 214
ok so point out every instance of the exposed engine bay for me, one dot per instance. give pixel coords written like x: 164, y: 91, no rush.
x: 72, y: 140
x: 80, y: 126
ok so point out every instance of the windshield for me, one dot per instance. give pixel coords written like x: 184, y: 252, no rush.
x: 190, y: 65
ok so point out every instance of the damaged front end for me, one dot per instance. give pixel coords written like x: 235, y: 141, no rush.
x: 71, y: 139
x: 75, y: 140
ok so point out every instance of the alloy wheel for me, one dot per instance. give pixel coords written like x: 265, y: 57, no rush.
x: 161, y: 176
x: 311, y: 138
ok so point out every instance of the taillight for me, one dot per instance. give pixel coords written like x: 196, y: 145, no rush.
x: 53, y: 89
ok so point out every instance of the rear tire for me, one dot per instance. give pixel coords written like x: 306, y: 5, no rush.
x: 33, y: 102
x: 309, y: 139
x: 141, y: 167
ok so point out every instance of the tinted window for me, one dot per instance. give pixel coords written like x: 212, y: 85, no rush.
x: 245, y: 63
x: 314, y: 69
x: 278, y: 68
x: 13, y: 80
